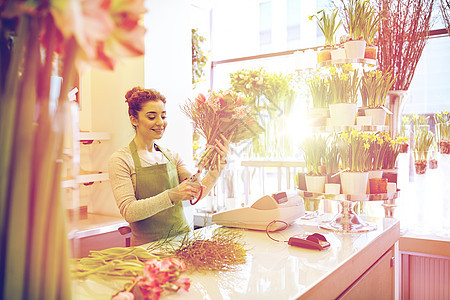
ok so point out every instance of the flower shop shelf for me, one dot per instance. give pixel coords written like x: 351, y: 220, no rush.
x: 89, y: 137
x: 86, y: 179
x: 362, y: 61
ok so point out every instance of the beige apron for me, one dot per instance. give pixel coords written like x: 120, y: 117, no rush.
x: 151, y: 181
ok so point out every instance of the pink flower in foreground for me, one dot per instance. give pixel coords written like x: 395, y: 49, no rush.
x: 104, y: 29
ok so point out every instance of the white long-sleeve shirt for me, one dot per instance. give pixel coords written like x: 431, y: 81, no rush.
x: 122, y: 175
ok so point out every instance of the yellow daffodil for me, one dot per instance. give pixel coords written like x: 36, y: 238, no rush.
x: 344, y: 76
x: 354, y: 133
x: 366, y: 146
x: 333, y: 70
x: 347, y: 67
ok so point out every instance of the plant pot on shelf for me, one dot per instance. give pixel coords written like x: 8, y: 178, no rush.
x: 323, y: 55
x: 315, y: 184
x: 370, y: 52
x: 317, y: 116
x: 343, y: 114
x: 390, y: 174
x: 378, y: 185
x: 301, y: 181
x: 373, y: 174
x: 338, y: 53
x: 354, y: 183
x: 355, y: 49
x: 378, y: 115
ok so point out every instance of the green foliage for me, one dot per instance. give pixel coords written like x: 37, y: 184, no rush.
x: 344, y: 84
x: 327, y: 24
x: 423, y: 141
x: 319, y: 88
x: 199, y: 57
x: 375, y: 86
x: 314, y: 152
x: 357, y: 11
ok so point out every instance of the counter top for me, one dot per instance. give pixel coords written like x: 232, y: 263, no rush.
x: 275, y: 270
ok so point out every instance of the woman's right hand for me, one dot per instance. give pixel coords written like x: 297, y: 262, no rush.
x: 187, y: 190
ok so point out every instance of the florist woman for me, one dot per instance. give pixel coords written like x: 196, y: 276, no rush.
x: 150, y: 182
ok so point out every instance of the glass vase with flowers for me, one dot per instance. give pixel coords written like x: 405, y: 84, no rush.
x: 442, y: 121
x: 422, y: 143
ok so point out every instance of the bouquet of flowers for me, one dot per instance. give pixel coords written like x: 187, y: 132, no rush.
x: 220, y: 113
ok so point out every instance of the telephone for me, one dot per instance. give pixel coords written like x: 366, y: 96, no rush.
x: 284, y: 206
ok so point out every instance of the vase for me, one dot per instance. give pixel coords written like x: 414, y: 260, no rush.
x: 395, y: 102
x: 337, y: 53
x: 317, y: 116
x: 370, y: 52
x: 323, y: 55
x: 315, y: 184
x: 355, y: 49
x: 390, y: 174
x: 301, y: 181
x: 343, y: 114
x: 354, y: 183
x: 378, y: 115
x: 364, y: 120
x: 443, y: 137
x: 378, y: 185
x: 373, y: 174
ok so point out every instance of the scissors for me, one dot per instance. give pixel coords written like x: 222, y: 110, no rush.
x: 194, y: 178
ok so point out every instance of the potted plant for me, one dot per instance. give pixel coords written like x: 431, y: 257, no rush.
x: 375, y: 86
x: 314, y: 148
x: 319, y: 89
x: 356, y: 12
x: 423, y: 141
x: 371, y: 27
x: 332, y: 159
x: 328, y: 26
x: 344, y: 87
x: 355, y: 157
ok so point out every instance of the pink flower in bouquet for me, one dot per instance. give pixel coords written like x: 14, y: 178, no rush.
x: 201, y: 98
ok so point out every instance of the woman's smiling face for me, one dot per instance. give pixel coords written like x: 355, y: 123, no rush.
x: 151, y: 121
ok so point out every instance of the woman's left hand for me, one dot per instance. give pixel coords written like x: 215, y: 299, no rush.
x: 222, y: 147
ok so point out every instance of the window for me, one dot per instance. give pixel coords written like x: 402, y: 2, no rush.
x: 293, y: 20
x: 265, y: 23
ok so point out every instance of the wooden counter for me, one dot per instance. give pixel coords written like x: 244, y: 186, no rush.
x: 356, y: 265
